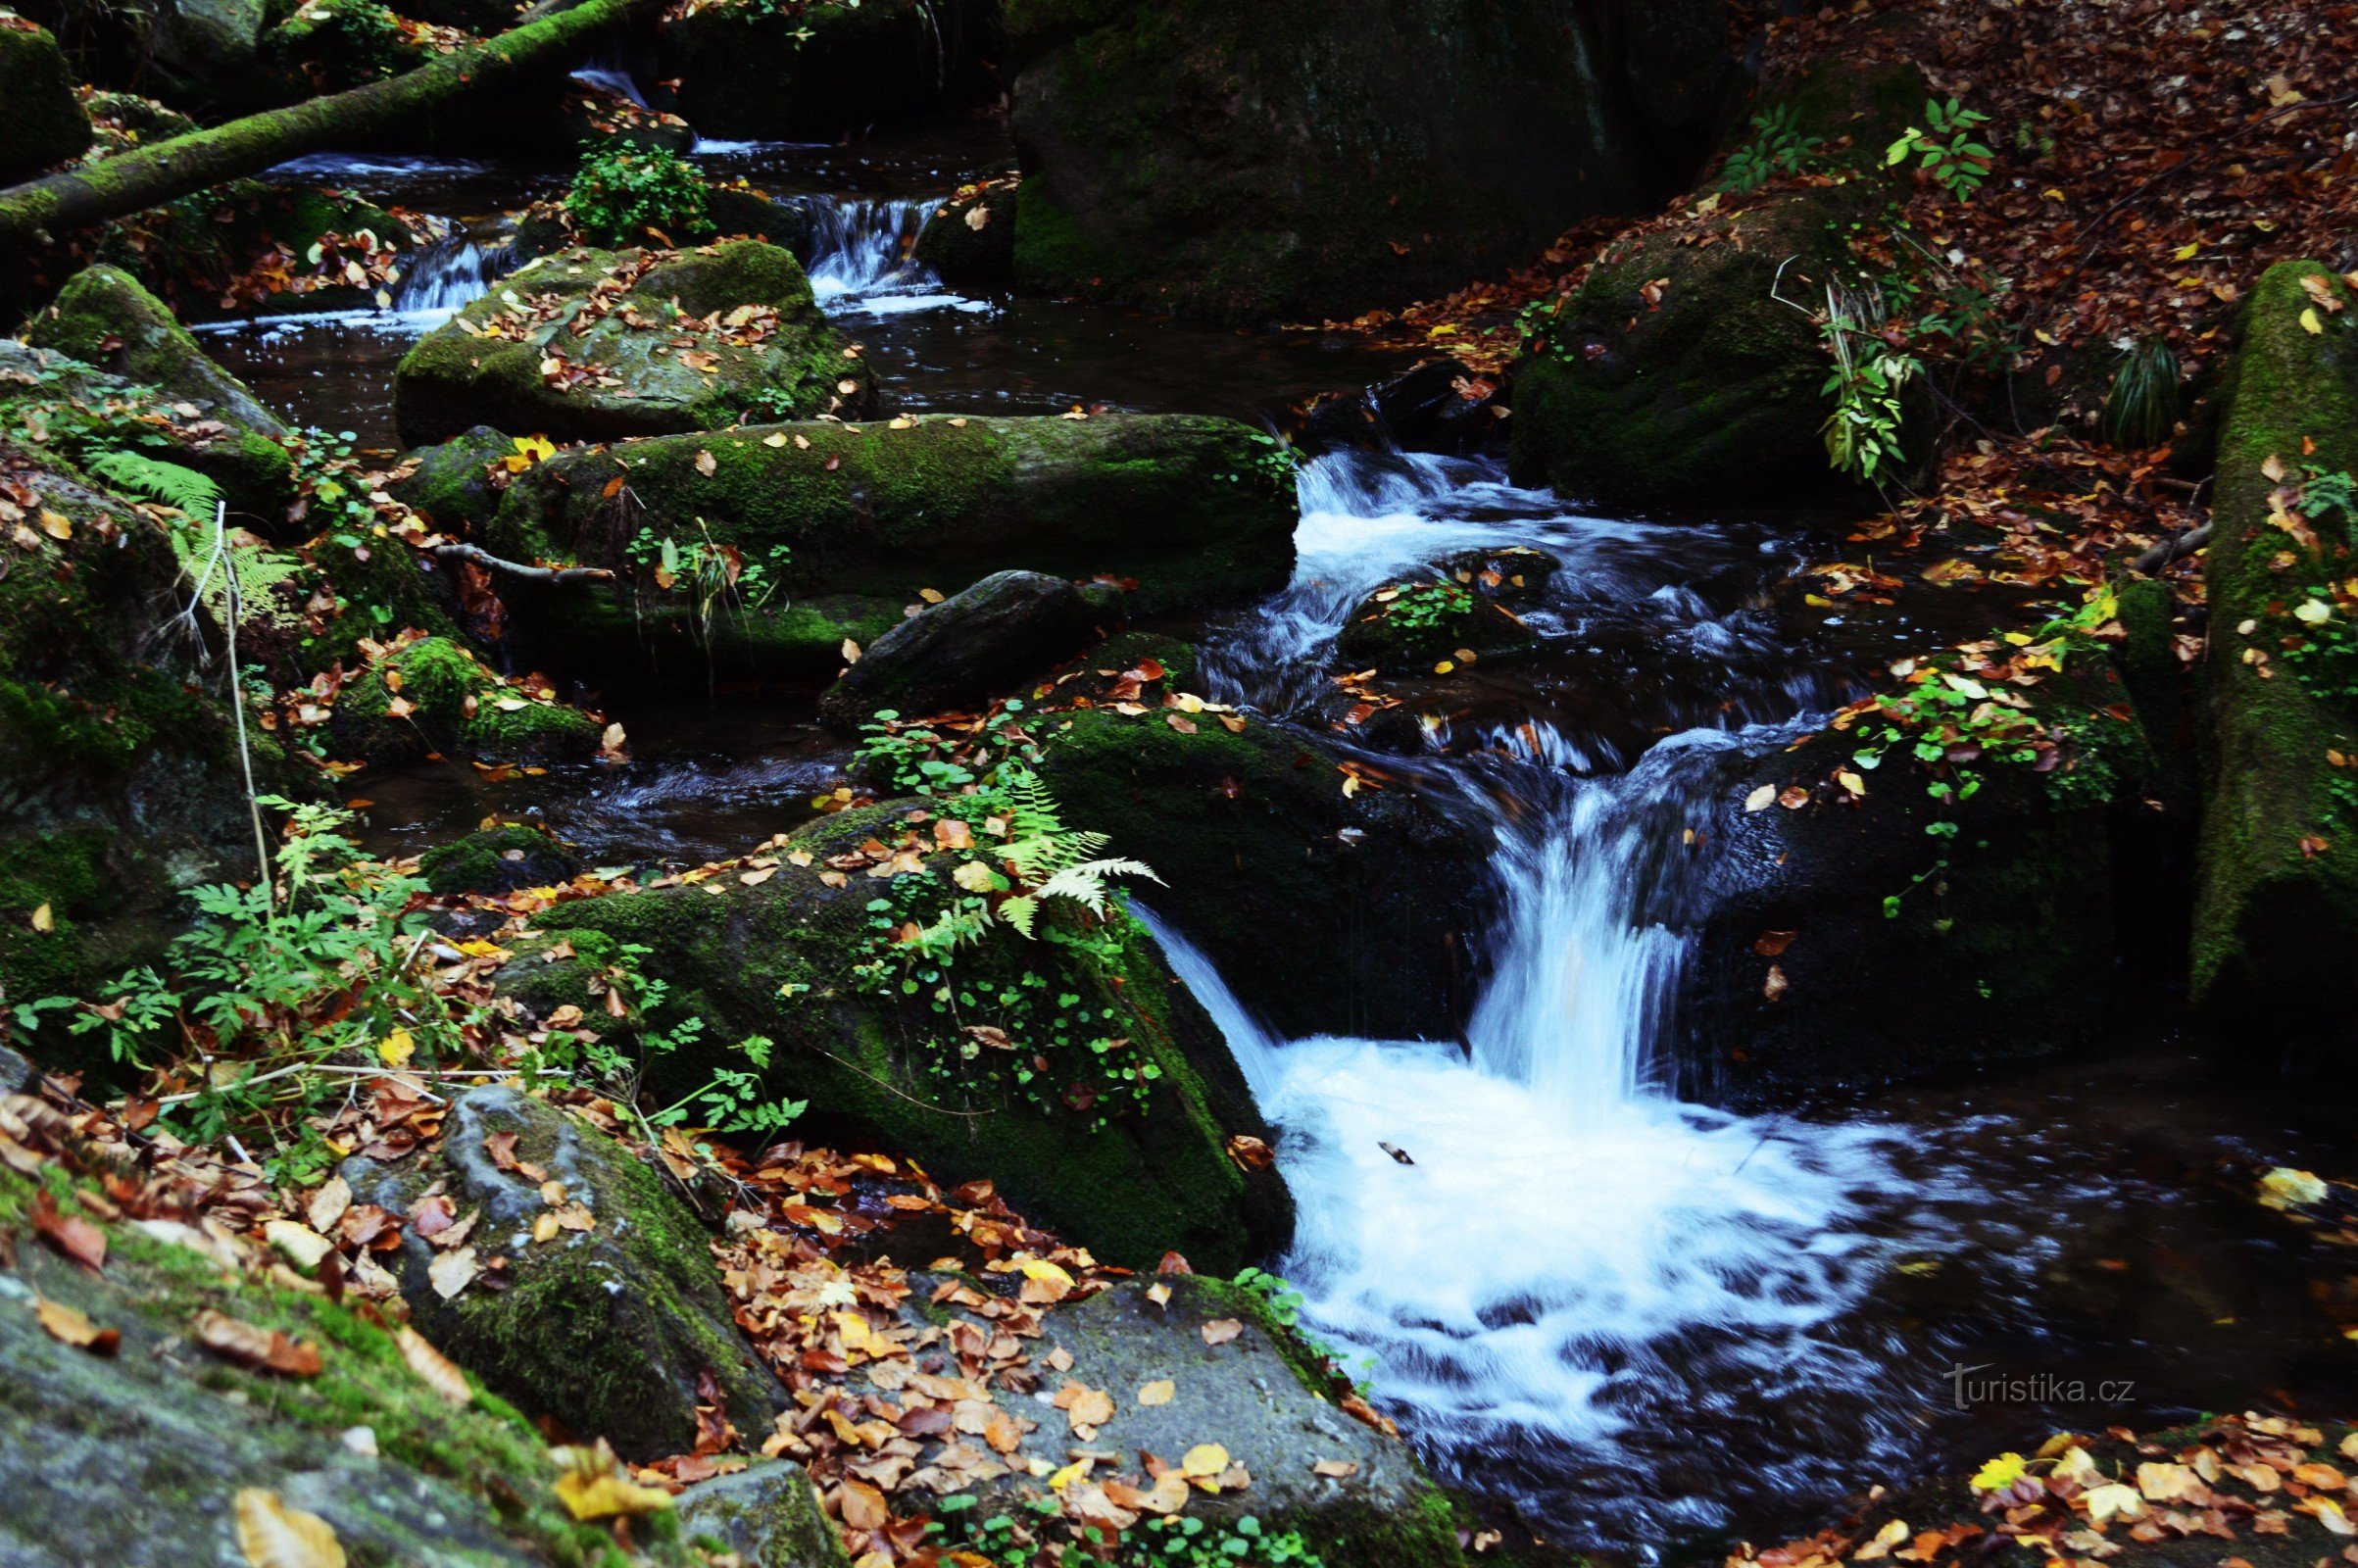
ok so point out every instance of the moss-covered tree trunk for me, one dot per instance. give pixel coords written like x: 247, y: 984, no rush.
x: 148, y: 175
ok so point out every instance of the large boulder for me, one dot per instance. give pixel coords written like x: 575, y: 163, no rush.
x: 205, y: 40
x: 969, y: 242
x: 45, y: 122
x: 106, y: 318
x: 1214, y: 158
x: 848, y: 524
x: 1280, y: 875
x: 970, y: 647
x: 148, y: 1457
x: 1682, y: 371
x: 1083, y: 1079
x: 594, y: 345
x: 753, y: 72
x: 596, y: 1303
x: 2275, y: 914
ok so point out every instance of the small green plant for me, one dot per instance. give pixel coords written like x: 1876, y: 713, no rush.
x: 2324, y: 653
x: 1429, y: 606
x: 2323, y: 492
x: 2142, y: 404
x: 1949, y: 153
x: 620, y: 192
x: 1285, y: 1302
x: 713, y: 575
x: 1863, y: 433
x: 183, y: 489
x: 1031, y: 1539
x: 1778, y: 147
x: 1272, y: 462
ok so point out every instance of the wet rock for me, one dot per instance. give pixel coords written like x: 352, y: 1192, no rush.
x: 205, y: 39
x: 1436, y: 406
x: 435, y: 697
x: 105, y: 318
x: 1203, y: 158
x: 2276, y: 910
x: 520, y: 359
x: 1864, y: 941
x: 456, y: 486
x: 1380, y: 895
x: 1512, y: 574
x: 750, y: 73
x: 1674, y: 376
x: 137, y: 1458
x: 1423, y: 625
x: 608, y: 1325
x: 766, y: 1513
x: 970, y: 241
x: 1128, y: 1167
x: 849, y: 522
x: 45, y: 122
x: 500, y: 859
x: 15, y: 1071
x: 970, y: 647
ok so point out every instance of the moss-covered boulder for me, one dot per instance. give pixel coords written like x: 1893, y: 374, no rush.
x: 1330, y: 912
x: 500, y: 859
x: 1076, y: 1073
x: 1424, y: 624
x: 456, y: 486
x: 766, y: 1513
x: 140, y: 1457
x: 2276, y: 905
x: 323, y: 46
x: 849, y: 524
x: 1674, y: 376
x: 595, y: 345
x: 106, y: 318
x: 753, y: 72
x: 1849, y: 938
x: 970, y: 647
x: 1262, y: 1395
x: 204, y: 40
x: 117, y: 758
x: 602, y: 1308
x: 45, y: 122
x: 970, y: 241
x: 1215, y: 158
x: 434, y: 696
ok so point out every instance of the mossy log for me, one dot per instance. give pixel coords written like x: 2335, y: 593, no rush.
x: 147, y: 177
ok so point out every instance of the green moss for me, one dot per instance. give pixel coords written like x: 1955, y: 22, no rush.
x: 102, y: 306
x: 497, y: 859
x: 44, y: 125
x: 437, y: 678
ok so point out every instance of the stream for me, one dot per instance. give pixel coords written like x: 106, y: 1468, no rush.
x: 1633, y: 1320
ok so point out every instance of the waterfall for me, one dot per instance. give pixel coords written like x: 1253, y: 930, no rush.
x: 859, y: 256
x: 611, y: 75
x: 448, y: 276
x: 1569, y: 1266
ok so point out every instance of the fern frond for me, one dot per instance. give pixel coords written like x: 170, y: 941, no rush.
x: 1085, y: 883
x: 1020, y: 911
x: 183, y: 489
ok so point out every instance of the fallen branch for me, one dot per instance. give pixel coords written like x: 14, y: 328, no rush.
x: 517, y: 568
x: 2168, y: 549
x: 31, y: 214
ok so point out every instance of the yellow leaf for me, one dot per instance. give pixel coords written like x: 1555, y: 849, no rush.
x: 272, y: 1534
x: 932, y: 596
x: 1889, y: 1535
x: 1159, y: 1392
x: 56, y: 525
x: 2286, y: 1188
x: 43, y: 920
x: 1850, y: 781
x: 1999, y: 1473
x: 396, y: 1048
x: 439, y: 1372
x: 851, y: 652
x: 1202, y: 1460
x: 1040, y: 1269
x: 592, y: 1485
x: 2310, y: 320
x: 1068, y: 1475
x: 2188, y: 251
x: 1762, y: 799
x: 2112, y: 1502
x: 776, y: 438
x: 1444, y: 667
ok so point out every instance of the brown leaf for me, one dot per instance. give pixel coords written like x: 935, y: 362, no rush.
x: 262, y: 1349
x: 1221, y: 1330
x: 67, y: 1324
x: 438, y: 1371
x: 69, y: 1235
x: 1771, y: 942
x: 1335, y: 1469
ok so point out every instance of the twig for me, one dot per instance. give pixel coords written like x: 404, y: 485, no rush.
x: 238, y: 702
x: 517, y: 568
x: 2170, y: 550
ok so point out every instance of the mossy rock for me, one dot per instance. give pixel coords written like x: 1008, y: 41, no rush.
x: 2276, y: 913
x: 435, y: 697
x: 1403, y: 627
x: 45, y: 122
x: 457, y: 377
x: 1264, y: 1397
x: 1212, y: 158
x: 2002, y: 944
x: 1380, y: 895
x: 766, y: 1513
x: 453, y: 486
x: 1711, y: 392
x: 850, y: 522
x: 327, y: 46
x: 754, y: 73
x: 1143, y: 1172
x: 207, y: 40
x: 1854, y: 108
x: 975, y: 645
x: 500, y: 859
x: 136, y: 1458
x: 970, y: 241
x: 607, y: 1329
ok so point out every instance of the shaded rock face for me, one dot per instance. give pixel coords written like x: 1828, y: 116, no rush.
x: 606, y: 1328
x: 973, y: 645
x: 451, y: 484
x: 2004, y: 938
x: 751, y: 73
x: 766, y: 1513
x: 2275, y: 919
x: 783, y: 958
x: 1381, y: 895
x: 44, y: 124
x: 1222, y: 159
x: 583, y: 346
x: 202, y: 38
x: 970, y: 242
x: 849, y: 524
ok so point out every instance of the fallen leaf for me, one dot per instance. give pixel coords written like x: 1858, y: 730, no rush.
x: 43, y: 919
x: 70, y: 1326
x: 68, y: 1234
x: 1335, y: 1469
x: 453, y: 1272
x: 438, y: 1371
x: 274, y: 1534
x: 1159, y: 1392
x: 329, y: 1203
x: 592, y: 1485
x: 706, y: 463
x: 1221, y: 1330
x: 263, y: 1350
x: 1762, y: 799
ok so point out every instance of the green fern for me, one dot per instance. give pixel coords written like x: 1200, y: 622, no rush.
x: 1039, y: 844
x: 182, y: 489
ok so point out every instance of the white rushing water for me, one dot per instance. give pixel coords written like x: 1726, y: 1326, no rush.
x: 861, y: 261
x: 1572, y: 1268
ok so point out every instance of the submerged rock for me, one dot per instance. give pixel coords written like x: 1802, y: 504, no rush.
x: 848, y: 524
x: 972, y: 645
x: 45, y: 122
x: 1425, y: 624
x: 2275, y: 914
x: 1328, y: 913
x: 609, y: 1322
x: 585, y: 346
x: 1092, y: 1091
x: 1234, y: 163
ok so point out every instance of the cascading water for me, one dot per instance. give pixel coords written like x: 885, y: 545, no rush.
x: 860, y: 256
x: 1578, y: 1290
x: 452, y: 275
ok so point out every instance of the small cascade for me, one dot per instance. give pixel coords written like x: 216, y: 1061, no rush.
x: 860, y: 255
x: 609, y: 73
x: 450, y: 274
